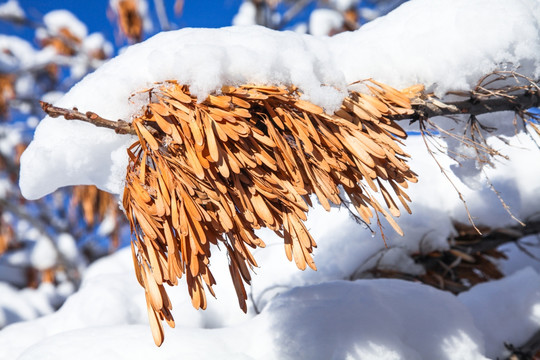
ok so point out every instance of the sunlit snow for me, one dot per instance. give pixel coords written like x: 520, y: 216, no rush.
x: 444, y: 44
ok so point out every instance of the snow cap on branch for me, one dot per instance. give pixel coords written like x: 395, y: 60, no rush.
x: 444, y: 44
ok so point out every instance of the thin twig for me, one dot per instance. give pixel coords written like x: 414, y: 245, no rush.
x: 424, y: 135
x: 162, y: 15
x: 503, y: 203
x: 120, y: 126
x: 292, y: 12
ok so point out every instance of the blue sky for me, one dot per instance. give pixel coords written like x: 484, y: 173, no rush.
x: 197, y: 13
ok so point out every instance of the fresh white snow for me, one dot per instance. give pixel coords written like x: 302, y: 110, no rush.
x: 11, y: 10
x: 316, y: 314
x: 57, y: 20
x: 324, y: 22
x: 444, y: 44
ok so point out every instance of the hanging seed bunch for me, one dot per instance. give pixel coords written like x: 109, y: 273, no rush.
x: 94, y: 203
x: 130, y: 21
x: 95, y: 206
x: 63, y: 41
x: 213, y: 172
x: 7, y: 93
x: 6, y: 234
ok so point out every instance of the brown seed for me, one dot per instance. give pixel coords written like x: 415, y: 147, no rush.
x: 211, y: 172
x: 152, y: 142
x: 309, y: 107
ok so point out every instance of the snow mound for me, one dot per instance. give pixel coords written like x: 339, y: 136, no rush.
x: 364, y: 319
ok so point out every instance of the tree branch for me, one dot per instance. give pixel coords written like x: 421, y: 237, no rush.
x: 529, y: 350
x: 120, y: 126
x: 292, y: 12
x: 162, y: 15
x: 423, y: 109
x: 475, y: 105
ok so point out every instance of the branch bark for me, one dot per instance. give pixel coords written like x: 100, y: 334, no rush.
x: 120, y: 126
x: 423, y: 109
x: 527, y: 351
x: 475, y: 105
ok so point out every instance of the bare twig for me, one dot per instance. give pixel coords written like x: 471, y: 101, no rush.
x: 425, y: 135
x: 120, y: 126
x: 21, y: 21
x: 292, y: 12
x: 162, y: 15
x: 347, y: 204
x: 503, y: 203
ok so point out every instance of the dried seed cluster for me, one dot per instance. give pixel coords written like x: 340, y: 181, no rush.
x: 6, y: 234
x: 95, y: 205
x: 7, y: 92
x: 64, y: 42
x: 129, y: 19
x: 212, y: 172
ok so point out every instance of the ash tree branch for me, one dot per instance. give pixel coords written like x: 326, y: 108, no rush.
x: 120, y: 126
x: 475, y: 105
x: 423, y: 109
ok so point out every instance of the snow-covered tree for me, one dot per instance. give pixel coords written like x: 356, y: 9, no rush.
x: 224, y: 139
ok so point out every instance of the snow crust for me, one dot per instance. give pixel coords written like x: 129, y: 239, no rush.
x: 520, y: 315
x: 444, y: 44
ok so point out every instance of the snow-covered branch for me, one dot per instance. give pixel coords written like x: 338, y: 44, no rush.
x: 423, y: 108
x: 518, y: 103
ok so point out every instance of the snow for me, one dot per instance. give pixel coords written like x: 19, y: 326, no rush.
x: 324, y: 22
x: 344, y: 5
x: 44, y: 255
x: 403, y: 49
x: 95, y: 42
x: 317, y: 314
x: 246, y: 15
x: 10, y: 136
x: 518, y: 314
x: 363, y: 319
x: 11, y: 10
x: 67, y: 247
x: 517, y: 257
x: 444, y: 44
x: 15, y: 53
x: 22, y: 305
x: 57, y: 20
